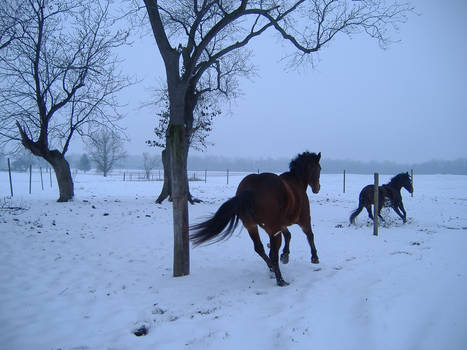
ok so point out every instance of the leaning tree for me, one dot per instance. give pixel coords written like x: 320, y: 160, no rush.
x: 205, y: 39
x: 58, y: 77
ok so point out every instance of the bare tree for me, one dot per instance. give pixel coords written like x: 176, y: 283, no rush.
x: 105, y: 149
x: 13, y: 21
x: 60, y: 79
x: 201, y: 42
x: 149, y: 163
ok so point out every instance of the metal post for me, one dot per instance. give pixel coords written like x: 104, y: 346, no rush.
x: 30, y: 177
x: 376, y: 199
x: 42, y: 181
x: 344, y: 180
x: 9, y: 174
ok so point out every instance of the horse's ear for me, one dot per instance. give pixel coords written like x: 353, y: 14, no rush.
x: 319, y: 156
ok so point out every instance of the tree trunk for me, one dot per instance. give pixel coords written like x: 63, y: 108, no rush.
x: 178, y: 160
x: 63, y: 174
x: 167, y: 186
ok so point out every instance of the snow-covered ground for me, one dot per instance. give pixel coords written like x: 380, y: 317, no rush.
x: 87, y: 274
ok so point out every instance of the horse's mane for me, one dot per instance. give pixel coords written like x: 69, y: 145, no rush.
x: 398, y: 179
x: 298, y: 165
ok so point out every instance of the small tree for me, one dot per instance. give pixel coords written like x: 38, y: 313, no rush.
x: 84, y: 163
x: 105, y: 148
x: 149, y: 163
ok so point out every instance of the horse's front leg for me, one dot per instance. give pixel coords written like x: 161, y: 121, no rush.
x: 311, y: 240
x: 396, y: 209
x: 379, y: 210
x: 286, y: 250
x: 401, y: 207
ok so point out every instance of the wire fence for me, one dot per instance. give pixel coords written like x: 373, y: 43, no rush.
x: 44, y: 178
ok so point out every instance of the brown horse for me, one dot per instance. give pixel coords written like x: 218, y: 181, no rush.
x: 273, y: 202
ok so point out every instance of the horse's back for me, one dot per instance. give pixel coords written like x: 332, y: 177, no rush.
x: 265, y: 185
x: 269, y: 197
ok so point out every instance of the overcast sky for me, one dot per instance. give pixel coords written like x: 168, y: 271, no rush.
x: 407, y: 103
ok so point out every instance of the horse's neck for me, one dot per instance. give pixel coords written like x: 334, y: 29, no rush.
x: 292, y: 180
x: 395, y: 186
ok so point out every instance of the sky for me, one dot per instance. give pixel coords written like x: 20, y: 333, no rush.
x: 406, y: 103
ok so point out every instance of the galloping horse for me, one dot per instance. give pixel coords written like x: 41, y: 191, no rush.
x: 389, y: 195
x: 273, y: 202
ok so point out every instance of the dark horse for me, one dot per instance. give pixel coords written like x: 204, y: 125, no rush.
x: 389, y: 195
x: 273, y: 202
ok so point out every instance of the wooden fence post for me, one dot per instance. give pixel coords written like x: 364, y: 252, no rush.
x: 411, y: 179
x: 205, y: 175
x: 50, y: 177
x: 376, y: 199
x: 9, y: 174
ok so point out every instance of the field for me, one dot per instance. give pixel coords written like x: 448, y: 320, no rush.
x: 89, y: 273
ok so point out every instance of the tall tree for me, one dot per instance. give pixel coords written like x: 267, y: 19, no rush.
x: 202, y: 41
x: 59, y: 78
x: 105, y: 149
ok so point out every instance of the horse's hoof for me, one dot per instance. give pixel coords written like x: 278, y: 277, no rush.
x: 282, y: 283
x: 285, y: 258
x: 315, y: 260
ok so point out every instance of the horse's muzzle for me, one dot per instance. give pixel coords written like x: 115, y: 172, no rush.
x: 316, y: 188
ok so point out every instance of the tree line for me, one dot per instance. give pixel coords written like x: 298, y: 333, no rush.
x: 149, y: 161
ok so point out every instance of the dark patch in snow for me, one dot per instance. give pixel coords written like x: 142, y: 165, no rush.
x: 143, y: 330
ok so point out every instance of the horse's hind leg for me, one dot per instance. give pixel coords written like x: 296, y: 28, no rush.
x: 368, y: 209
x: 275, y: 243
x: 286, y: 250
x: 259, y: 248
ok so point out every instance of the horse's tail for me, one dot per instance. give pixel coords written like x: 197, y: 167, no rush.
x: 355, y: 214
x: 358, y: 210
x: 222, y: 224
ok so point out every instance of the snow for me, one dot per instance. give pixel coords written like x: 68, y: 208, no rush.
x: 88, y: 273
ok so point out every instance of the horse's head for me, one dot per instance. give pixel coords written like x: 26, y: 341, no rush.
x: 306, y: 166
x: 407, y: 182
x: 314, y: 173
